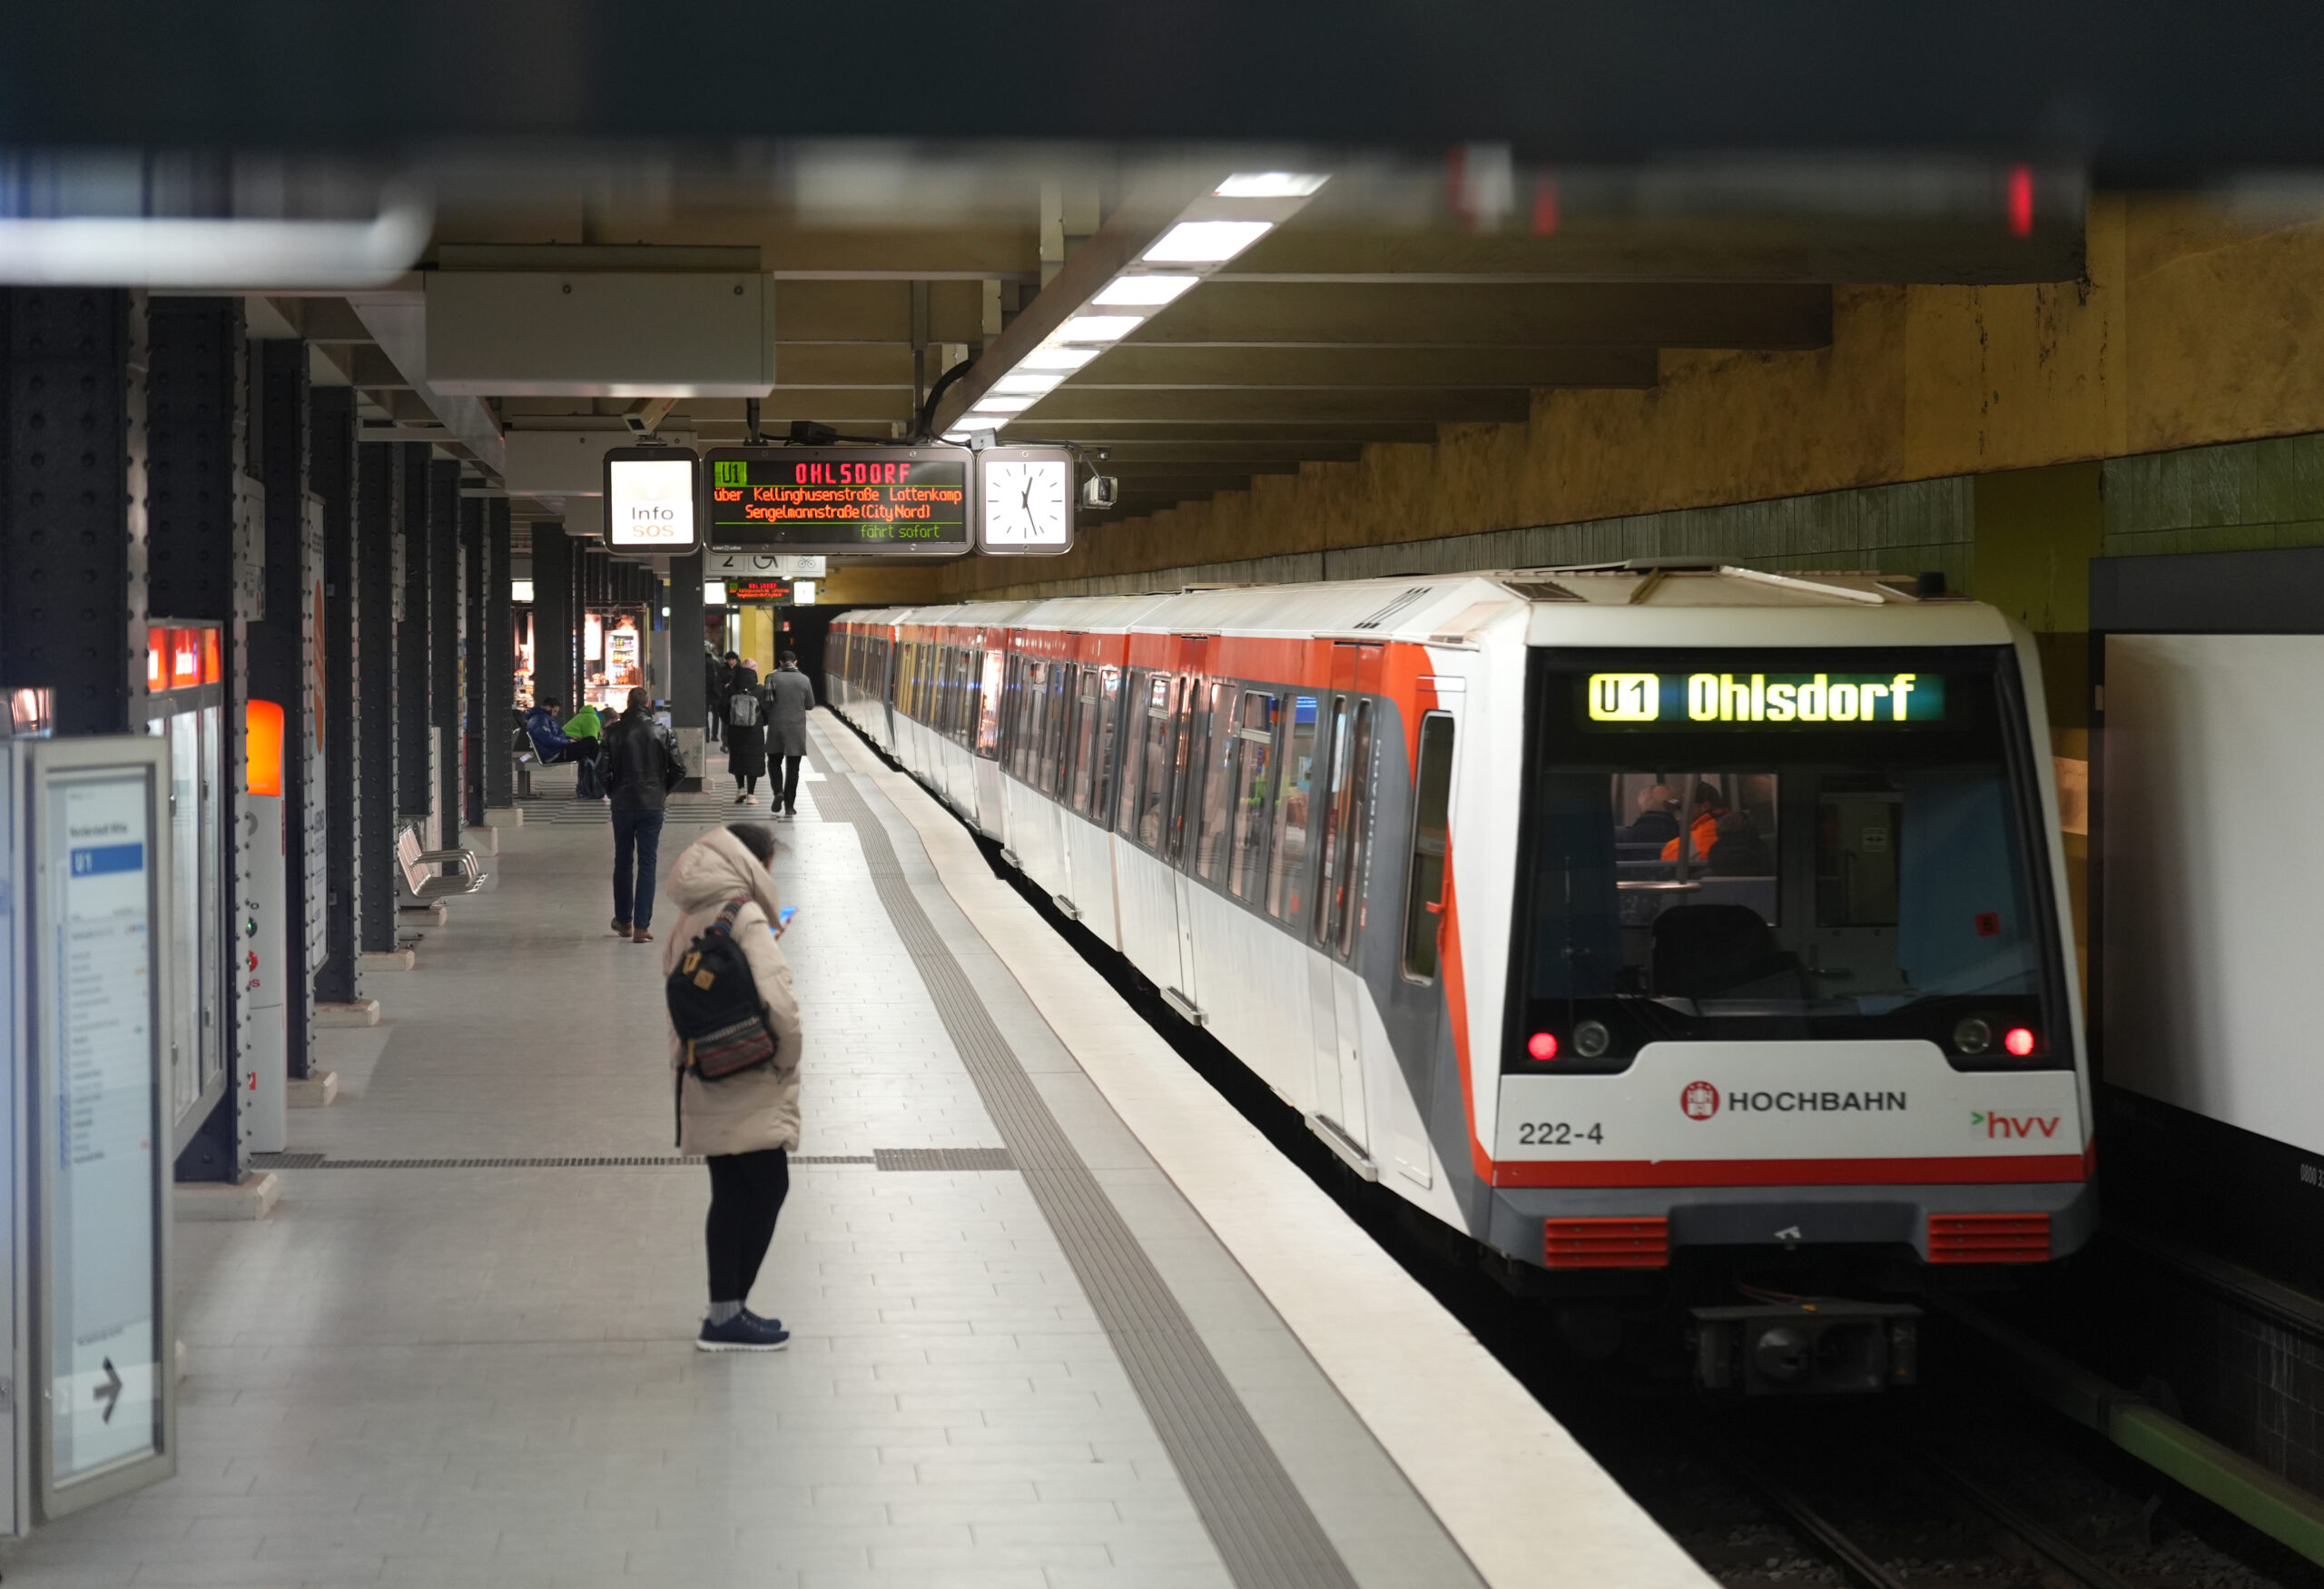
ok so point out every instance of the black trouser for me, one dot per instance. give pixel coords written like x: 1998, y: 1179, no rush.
x: 789, y: 782
x: 746, y: 1193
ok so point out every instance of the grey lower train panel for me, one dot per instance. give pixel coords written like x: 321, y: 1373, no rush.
x: 1781, y: 1217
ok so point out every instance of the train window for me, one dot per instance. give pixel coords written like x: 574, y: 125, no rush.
x: 1131, y: 709
x: 1214, y: 839
x: 1353, y: 812
x: 1109, y: 719
x: 989, y: 709
x: 1057, y: 740
x: 1088, y: 701
x: 1197, y: 706
x: 1287, y: 857
x: 1432, y: 840
x: 1701, y: 869
x: 1252, y: 748
x: 1154, y: 755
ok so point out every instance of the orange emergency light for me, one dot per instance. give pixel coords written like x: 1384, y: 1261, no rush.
x: 262, y: 739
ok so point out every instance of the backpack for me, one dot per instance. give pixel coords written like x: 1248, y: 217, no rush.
x: 743, y: 708
x: 715, y: 1005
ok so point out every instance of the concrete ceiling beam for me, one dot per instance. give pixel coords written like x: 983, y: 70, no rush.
x: 1149, y: 364
x: 1595, y: 315
x: 1710, y: 249
x: 1229, y: 405
x: 1236, y: 452
x: 1213, y: 436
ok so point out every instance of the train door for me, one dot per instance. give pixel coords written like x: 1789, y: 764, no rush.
x: 1196, y: 695
x: 1335, y: 976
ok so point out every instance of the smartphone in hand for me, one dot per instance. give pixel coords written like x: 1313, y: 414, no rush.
x: 783, y: 918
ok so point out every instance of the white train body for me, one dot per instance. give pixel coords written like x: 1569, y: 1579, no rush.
x: 1397, y: 844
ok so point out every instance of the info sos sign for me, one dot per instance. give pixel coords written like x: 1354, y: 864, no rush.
x: 650, y: 499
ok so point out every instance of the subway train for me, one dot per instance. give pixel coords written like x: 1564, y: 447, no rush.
x: 1681, y: 934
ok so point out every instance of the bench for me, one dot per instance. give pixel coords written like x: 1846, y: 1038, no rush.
x: 415, y: 867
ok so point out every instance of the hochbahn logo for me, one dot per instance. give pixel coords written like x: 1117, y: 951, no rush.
x: 1700, y: 1101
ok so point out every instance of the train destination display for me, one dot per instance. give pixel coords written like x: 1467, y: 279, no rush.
x: 887, y: 501
x: 1698, y: 700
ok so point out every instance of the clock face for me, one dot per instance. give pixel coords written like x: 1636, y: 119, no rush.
x: 1025, y: 502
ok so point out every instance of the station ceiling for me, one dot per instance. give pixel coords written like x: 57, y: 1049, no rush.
x: 1395, y: 299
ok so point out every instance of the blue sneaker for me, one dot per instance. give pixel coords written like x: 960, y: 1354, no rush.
x: 742, y: 1333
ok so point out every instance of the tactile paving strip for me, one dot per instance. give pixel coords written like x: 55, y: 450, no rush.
x: 1262, y: 1525
x: 572, y: 1161
x: 965, y: 1159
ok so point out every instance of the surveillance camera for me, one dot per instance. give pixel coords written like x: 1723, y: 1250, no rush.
x: 1100, y: 492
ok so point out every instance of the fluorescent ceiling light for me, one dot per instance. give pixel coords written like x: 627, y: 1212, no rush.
x: 1048, y: 356
x: 989, y: 404
x: 1096, y: 328
x: 102, y: 251
x: 1269, y: 184
x: 1145, y: 289
x: 1032, y: 380
x: 1209, y: 242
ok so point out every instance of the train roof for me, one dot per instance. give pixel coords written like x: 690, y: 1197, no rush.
x: 1444, y: 607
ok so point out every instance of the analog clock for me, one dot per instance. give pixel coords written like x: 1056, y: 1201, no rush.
x: 1027, y: 501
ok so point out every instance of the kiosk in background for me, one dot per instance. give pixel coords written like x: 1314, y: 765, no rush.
x: 88, y: 1408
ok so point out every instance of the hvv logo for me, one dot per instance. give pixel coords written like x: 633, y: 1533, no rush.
x: 2001, y: 1125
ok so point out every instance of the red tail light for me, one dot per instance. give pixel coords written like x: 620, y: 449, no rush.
x: 1606, y: 1244
x: 1542, y: 1045
x: 1988, y: 1237
x: 2018, y: 1040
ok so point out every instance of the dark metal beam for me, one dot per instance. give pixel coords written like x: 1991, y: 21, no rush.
x: 1597, y: 315
x: 1199, y: 365
x: 1244, y: 405
x: 1233, y: 451
x: 1211, y: 436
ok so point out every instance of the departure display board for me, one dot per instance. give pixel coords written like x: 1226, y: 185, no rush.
x: 881, y: 501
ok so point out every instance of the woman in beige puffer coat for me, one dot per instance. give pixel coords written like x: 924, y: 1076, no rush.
x: 745, y: 1125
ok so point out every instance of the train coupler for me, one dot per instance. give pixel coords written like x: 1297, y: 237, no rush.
x: 1814, y: 1346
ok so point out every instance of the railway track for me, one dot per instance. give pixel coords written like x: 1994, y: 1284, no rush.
x: 2025, y: 1543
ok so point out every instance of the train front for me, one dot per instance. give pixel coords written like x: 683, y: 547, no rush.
x: 1790, y: 1011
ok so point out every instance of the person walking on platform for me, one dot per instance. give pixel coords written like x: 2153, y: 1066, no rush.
x: 586, y: 730
x: 744, y: 1124
x: 713, y: 691
x: 745, y: 727
x: 640, y: 766
x: 790, y: 696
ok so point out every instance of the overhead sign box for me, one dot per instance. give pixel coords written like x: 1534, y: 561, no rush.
x: 650, y: 499
x: 844, y: 501
x: 722, y: 564
x: 1025, y: 500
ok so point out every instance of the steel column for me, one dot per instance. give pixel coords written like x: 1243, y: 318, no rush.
x: 72, y: 496
x: 379, y: 511
x: 282, y: 647
x: 337, y: 483
x: 476, y: 564
x: 689, y: 692
x: 447, y: 575
x: 553, y: 613
x: 498, y: 660
x: 415, y: 636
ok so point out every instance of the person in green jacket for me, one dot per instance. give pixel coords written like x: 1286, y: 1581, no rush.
x: 585, y: 729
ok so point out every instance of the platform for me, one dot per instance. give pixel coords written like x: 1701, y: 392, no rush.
x: 1060, y: 1317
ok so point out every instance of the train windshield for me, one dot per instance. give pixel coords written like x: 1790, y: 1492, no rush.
x: 1751, y: 845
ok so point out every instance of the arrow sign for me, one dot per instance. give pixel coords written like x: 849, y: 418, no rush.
x: 109, y: 1392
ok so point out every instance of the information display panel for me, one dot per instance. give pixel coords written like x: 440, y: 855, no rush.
x: 651, y: 499
x: 879, y: 501
x: 99, y: 1122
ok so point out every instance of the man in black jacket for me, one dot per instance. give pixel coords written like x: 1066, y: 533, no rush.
x: 639, y: 764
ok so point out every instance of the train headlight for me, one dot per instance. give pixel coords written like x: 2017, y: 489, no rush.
x: 1973, y: 1036
x: 1590, y: 1039
x: 1542, y: 1045
x: 2019, y: 1041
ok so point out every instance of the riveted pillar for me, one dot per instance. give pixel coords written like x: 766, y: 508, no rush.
x: 446, y: 577
x: 499, y: 659
x: 553, y: 613
x: 689, y: 702
x: 202, y: 564
x: 338, y: 481
x: 476, y: 564
x: 283, y: 647
x: 415, y: 641
x: 72, y: 503
x: 379, y: 546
